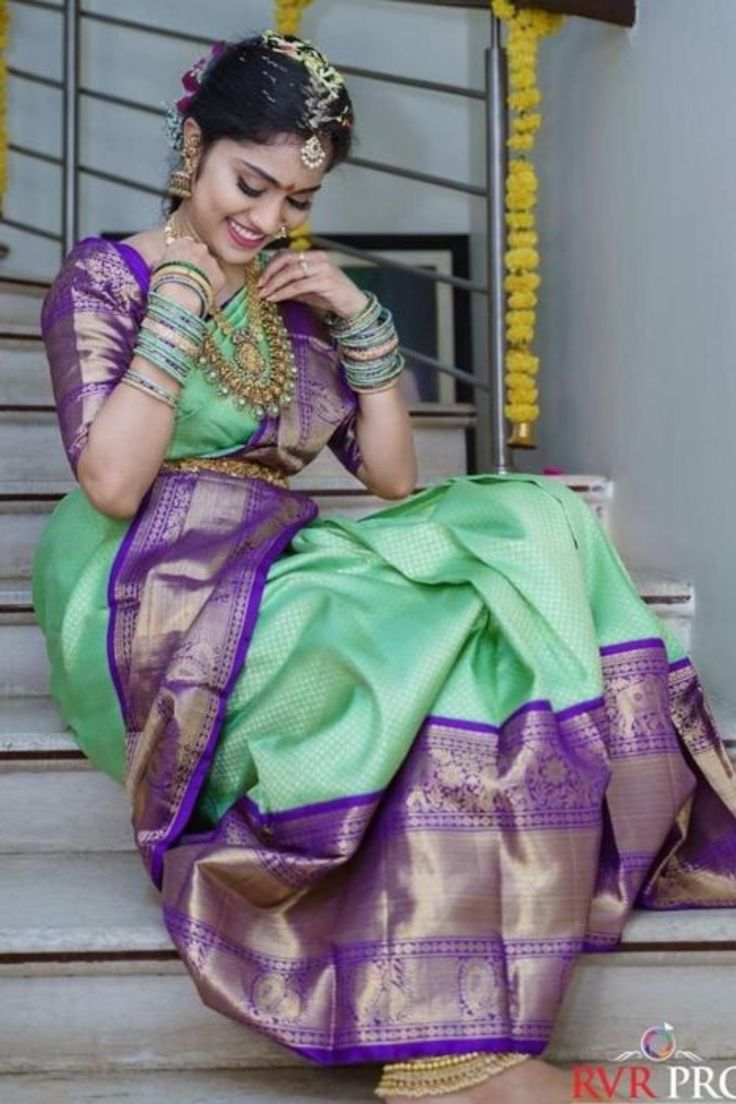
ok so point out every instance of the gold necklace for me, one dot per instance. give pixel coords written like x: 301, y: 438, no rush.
x: 266, y: 381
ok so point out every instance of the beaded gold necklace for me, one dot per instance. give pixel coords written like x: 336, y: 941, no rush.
x: 261, y: 370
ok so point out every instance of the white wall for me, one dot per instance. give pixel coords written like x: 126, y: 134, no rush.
x: 439, y: 135
x: 638, y: 330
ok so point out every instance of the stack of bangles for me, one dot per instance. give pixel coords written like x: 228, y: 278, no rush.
x: 171, y: 336
x: 437, y: 1076
x: 368, y: 346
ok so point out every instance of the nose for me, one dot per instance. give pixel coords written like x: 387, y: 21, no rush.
x: 266, y: 216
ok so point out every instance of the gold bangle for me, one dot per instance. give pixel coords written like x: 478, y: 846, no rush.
x: 171, y: 336
x: 371, y: 390
x: 449, y: 1073
x: 185, y: 277
x: 371, y: 353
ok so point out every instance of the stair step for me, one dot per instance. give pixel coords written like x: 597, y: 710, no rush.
x: 19, y: 328
x: 288, y: 1086
x: 31, y: 452
x: 33, y: 727
x: 89, y: 981
x: 24, y: 372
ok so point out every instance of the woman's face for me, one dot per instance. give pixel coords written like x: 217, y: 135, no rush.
x: 246, y: 192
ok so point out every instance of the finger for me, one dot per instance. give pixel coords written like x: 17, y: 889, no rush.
x: 290, y: 275
x: 275, y: 265
x: 311, y: 285
x: 288, y: 260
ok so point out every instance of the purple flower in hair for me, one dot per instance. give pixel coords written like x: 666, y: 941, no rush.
x: 191, y: 82
x: 192, y: 79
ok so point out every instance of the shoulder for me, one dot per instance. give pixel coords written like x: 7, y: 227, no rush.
x: 97, y: 274
x: 149, y: 244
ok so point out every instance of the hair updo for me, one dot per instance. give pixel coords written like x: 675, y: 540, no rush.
x: 253, y: 93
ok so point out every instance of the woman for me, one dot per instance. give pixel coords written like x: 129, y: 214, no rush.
x: 361, y: 755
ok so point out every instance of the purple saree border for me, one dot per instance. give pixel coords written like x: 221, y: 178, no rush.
x: 633, y: 645
x: 336, y: 804
x: 401, y: 1052
x: 198, y: 774
x: 112, y: 602
x: 541, y: 705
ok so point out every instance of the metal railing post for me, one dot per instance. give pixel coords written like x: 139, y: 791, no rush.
x: 496, y: 165
x: 70, y: 127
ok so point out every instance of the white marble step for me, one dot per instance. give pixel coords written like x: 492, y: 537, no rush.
x: 31, y: 451
x: 20, y: 299
x: 253, y: 1086
x: 24, y: 373
x: 70, y: 999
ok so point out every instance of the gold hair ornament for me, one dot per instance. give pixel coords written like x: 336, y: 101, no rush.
x: 326, y: 85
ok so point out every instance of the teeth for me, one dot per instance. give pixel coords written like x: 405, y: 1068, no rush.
x: 243, y: 233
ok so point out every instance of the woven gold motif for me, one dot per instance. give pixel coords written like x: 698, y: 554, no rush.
x: 243, y: 468
x: 437, y: 1076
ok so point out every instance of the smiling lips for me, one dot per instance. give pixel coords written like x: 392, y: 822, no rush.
x: 242, y: 238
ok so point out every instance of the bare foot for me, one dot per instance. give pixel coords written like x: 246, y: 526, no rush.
x: 532, y: 1082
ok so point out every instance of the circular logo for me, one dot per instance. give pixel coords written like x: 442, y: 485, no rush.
x: 658, y: 1043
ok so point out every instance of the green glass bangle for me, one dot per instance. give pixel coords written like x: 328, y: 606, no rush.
x: 361, y: 380
x: 183, y: 282
x: 345, y: 327
x: 167, y: 306
x: 183, y: 264
x: 166, y: 357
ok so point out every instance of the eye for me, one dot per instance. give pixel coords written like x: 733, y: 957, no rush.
x: 300, y: 204
x: 247, y: 189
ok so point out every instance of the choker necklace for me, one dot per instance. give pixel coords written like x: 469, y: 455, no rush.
x: 261, y: 371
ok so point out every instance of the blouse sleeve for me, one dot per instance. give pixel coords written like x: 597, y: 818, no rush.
x: 344, y: 441
x: 89, y: 323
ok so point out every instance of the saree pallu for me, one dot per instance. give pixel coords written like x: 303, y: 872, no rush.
x: 392, y: 776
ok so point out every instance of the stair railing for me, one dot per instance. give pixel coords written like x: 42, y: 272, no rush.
x: 486, y: 376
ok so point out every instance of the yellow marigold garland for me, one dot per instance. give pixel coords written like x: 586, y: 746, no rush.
x: 524, y: 29
x: 288, y: 21
x: 4, y: 20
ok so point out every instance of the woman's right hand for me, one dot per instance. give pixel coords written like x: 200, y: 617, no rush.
x: 196, y: 253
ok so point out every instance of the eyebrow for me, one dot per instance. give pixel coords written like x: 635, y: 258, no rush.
x: 273, y: 180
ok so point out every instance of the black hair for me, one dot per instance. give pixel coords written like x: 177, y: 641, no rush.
x: 254, y: 93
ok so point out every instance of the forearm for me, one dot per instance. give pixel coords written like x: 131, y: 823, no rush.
x: 386, y: 443
x: 127, y: 443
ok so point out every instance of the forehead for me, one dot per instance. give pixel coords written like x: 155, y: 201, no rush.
x: 279, y: 159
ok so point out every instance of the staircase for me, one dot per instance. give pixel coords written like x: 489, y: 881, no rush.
x: 94, y: 1002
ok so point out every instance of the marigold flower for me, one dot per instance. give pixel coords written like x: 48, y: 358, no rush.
x: 524, y: 29
x: 522, y: 258
x: 522, y: 300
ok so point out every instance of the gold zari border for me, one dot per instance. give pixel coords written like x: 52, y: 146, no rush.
x: 242, y: 468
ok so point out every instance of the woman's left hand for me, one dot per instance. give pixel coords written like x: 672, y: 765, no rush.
x: 310, y: 277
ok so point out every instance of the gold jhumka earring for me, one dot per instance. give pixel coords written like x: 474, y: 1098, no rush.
x: 180, y: 179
